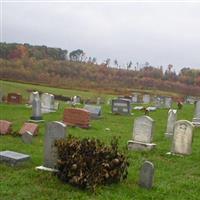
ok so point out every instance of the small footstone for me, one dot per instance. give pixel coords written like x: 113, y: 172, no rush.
x: 146, y: 175
x: 13, y: 158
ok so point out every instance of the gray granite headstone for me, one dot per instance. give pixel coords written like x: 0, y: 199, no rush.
x: 27, y: 137
x: 121, y: 106
x: 196, y: 119
x: 142, y: 134
x: 147, y: 175
x: 95, y: 111
x: 36, y: 110
x: 172, y: 116
x: 182, y: 138
x: 13, y: 158
x: 33, y: 95
x: 54, y: 131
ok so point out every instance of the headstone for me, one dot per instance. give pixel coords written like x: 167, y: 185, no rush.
x: 36, y: 111
x: 13, y: 158
x: 147, y: 175
x: 5, y: 127
x: 196, y: 119
x: 146, y: 98
x: 168, y: 102
x: 54, y: 131
x: 95, y: 111
x: 30, y: 127
x: 142, y: 134
x: 33, y: 95
x: 182, y: 138
x: 172, y: 116
x: 47, y: 103
x: 27, y: 137
x: 76, y: 117
x: 121, y: 106
x: 14, y: 98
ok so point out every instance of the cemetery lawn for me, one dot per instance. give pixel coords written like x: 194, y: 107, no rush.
x: 175, y: 177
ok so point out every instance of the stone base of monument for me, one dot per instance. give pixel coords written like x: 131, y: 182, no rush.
x: 42, y: 168
x: 13, y: 158
x: 36, y: 119
x: 140, y: 146
x: 196, y: 122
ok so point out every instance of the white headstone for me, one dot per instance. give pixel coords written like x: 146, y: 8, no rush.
x: 182, y: 138
x: 142, y: 134
x: 196, y: 119
x: 172, y: 116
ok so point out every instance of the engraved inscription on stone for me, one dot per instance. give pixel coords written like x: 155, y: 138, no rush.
x: 182, y: 139
x: 143, y: 129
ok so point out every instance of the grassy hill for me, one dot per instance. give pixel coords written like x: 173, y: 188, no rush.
x: 175, y: 177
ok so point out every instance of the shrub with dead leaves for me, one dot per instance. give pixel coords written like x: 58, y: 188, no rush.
x: 88, y: 162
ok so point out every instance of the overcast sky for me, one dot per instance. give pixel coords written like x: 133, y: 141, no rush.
x: 160, y: 33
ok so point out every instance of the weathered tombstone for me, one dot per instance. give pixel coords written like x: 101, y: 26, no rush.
x: 121, y: 106
x: 30, y: 127
x: 27, y: 137
x: 14, y: 98
x: 95, y: 111
x: 182, y: 138
x: 76, y: 117
x: 13, y: 158
x: 146, y: 98
x: 168, y: 102
x: 47, y: 103
x: 142, y: 134
x: 172, y: 116
x: 33, y: 95
x: 36, y: 111
x: 196, y: 119
x: 54, y: 131
x: 5, y: 127
x: 147, y: 175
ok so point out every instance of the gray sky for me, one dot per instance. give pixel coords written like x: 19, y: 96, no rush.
x: 160, y: 33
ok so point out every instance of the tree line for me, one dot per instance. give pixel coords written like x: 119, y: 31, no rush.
x: 57, y: 67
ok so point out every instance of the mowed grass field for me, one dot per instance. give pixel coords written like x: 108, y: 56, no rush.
x: 175, y: 177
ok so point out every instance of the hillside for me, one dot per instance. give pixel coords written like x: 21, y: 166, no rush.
x: 59, y: 68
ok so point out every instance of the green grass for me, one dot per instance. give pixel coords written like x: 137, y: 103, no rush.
x: 175, y: 177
